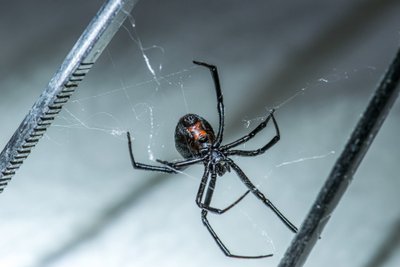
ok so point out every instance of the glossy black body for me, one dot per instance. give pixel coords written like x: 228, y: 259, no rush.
x: 193, y: 136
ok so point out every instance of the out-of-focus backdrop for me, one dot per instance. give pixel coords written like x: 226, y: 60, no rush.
x: 77, y: 201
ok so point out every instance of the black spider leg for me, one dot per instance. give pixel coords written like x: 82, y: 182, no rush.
x: 170, y: 169
x: 210, y: 191
x: 253, y: 133
x: 251, y: 153
x: 220, y: 104
x: 204, y: 212
x: 261, y: 196
x: 179, y: 164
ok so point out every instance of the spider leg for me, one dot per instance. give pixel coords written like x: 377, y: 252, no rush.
x: 210, y: 192
x: 220, y: 211
x: 205, y: 208
x: 261, y: 196
x: 251, y: 153
x: 181, y: 163
x: 142, y: 166
x: 250, y: 135
x: 219, y: 242
x: 220, y: 105
x: 202, y: 186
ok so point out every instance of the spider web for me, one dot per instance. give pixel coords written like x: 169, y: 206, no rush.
x: 80, y: 185
x: 141, y: 95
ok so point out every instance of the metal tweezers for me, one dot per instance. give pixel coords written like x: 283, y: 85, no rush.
x: 76, y: 65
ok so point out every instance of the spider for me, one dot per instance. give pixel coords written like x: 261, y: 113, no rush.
x: 196, y: 141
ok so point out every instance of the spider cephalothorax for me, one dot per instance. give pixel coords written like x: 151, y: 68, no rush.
x: 196, y: 142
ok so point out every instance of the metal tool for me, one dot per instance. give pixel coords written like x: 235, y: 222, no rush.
x: 345, y: 167
x: 61, y: 86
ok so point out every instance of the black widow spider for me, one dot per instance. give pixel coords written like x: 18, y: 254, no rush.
x: 196, y: 142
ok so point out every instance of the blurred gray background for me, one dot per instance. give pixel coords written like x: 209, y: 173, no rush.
x: 77, y: 201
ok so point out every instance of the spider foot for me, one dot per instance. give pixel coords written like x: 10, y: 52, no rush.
x: 221, y: 245
x: 204, y: 64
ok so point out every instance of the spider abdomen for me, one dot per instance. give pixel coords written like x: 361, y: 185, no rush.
x: 193, y: 135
